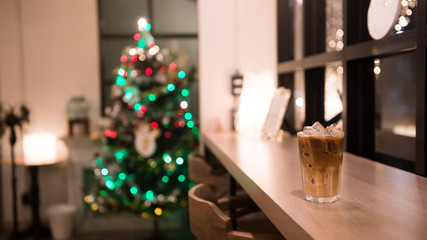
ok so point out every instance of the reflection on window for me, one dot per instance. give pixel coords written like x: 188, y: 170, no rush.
x: 395, y: 98
x: 334, y: 25
x: 406, y: 16
x: 395, y: 106
x: 333, y: 92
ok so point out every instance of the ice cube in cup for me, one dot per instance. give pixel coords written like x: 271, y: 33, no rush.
x: 321, y: 154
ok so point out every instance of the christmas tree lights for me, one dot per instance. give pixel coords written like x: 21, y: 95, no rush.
x: 149, y: 135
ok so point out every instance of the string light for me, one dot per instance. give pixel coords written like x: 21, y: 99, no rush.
x: 133, y: 190
x: 145, y: 215
x: 167, y: 158
x: 104, y: 172
x: 137, y: 106
x: 149, y: 195
x: 123, y: 59
x: 181, y: 74
x: 165, y: 179
x: 190, y: 124
x: 151, y: 97
x: 137, y: 36
x: 171, y: 87
x: 94, y: 207
x: 183, y: 104
x: 154, y: 125
x: 143, y: 109
x: 172, y: 66
x: 110, y: 184
x: 158, y: 211
x: 148, y: 27
x: 181, y: 178
x: 185, y: 92
x: 132, y: 51
x: 179, y: 161
x: 120, y: 81
x: 122, y: 176
x: 188, y: 116
x: 148, y: 71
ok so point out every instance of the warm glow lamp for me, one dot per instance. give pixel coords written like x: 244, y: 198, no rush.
x: 40, y: 149
x: 257, y: 92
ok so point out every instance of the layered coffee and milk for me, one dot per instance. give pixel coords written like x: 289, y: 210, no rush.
x: 321, y: 154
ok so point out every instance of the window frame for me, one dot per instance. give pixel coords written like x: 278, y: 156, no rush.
x: 356, y: 111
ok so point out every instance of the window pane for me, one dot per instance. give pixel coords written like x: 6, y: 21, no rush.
x: 334, y: 26
x: 178, y: 16
x: 287, y: 81
x: 285, y: 32
x: 111, y: 50
x: 395, y: 110
x: 314, y: 27
x: 187, y: 47
x: 333, y: 93
x: 121, y: 16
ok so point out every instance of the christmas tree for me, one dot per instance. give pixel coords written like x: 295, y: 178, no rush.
x: 150, y: 133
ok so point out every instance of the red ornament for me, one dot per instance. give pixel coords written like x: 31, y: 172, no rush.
x: 176, y: 123
x: 107, y: 133
x: 148, y: 71
x: 113, y: 134
x: 137, y: 36
x: 143, y: 109
x: 154, y: 125
x: 172, y: 66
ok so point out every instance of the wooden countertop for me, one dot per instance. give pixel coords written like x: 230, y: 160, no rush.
x: 377, y: 201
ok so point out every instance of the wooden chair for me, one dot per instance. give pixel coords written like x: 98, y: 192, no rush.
x: 208, y: 218
x: 214, y: 176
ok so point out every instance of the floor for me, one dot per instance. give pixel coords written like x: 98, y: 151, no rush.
x: 125, y: 228
x: 177, y: 234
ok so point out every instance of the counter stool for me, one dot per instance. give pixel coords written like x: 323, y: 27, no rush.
x: 210, y: 218
x: 201, y: 172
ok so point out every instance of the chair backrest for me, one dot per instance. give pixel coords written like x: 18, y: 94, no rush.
x: 207, y: 221
x: 201, y: 172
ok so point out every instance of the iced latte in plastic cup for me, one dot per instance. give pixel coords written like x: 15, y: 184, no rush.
x: 320, y: 151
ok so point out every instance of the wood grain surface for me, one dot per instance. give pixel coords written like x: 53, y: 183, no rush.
x: 377, y: 201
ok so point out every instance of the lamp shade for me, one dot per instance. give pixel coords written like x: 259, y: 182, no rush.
x: 257, y: 92
x: 40, y: 149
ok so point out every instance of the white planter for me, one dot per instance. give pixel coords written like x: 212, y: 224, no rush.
x: 61, y: 220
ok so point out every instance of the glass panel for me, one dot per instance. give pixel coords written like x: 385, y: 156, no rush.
x: 334, y: 25
x: 121, y: 17
x: 287, y: 81
x: 111, y: 50
x: 178, y: 16
x: 407, y: 16
x: 395, y: 109
x: 314, y: 27
x: 333, y: 93
x: 285, y: 26
x: 186, y: 46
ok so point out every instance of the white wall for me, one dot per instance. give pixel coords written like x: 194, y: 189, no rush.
x: 58, y: 58
x: 232, y: 34
x: 48, y: 53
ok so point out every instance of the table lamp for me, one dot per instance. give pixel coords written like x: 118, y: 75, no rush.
x: 40, y: 149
